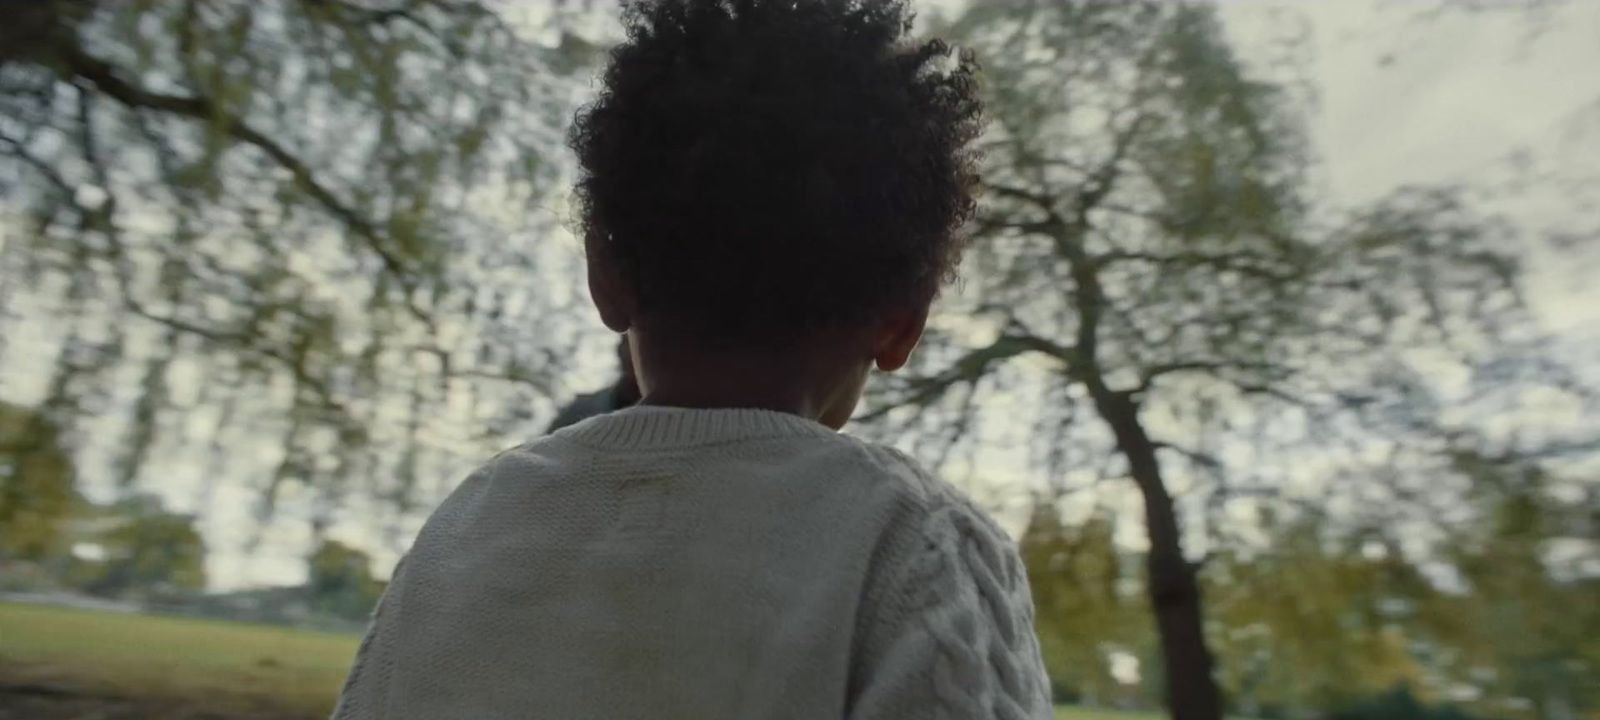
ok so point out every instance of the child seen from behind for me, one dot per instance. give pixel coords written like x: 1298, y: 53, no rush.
x: 772, y: 194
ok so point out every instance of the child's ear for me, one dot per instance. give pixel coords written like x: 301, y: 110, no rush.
x: 612, y: 295
x: 898, y: 337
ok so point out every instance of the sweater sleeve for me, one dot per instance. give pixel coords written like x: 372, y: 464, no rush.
x: 952, y: 630
x: 364, y: 685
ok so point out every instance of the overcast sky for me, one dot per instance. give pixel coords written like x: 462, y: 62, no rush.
x: 1407, y: 96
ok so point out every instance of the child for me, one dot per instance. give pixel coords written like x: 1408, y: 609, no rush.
x: 772, y: 195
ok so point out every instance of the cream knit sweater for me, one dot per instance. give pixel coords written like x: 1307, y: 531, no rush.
x: 697, y: 565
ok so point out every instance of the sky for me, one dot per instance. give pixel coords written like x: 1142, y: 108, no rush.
x: 1402, y: 98
x: 1409, y: 97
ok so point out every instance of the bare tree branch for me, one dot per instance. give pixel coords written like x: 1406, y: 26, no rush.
x: 969, y: 368
x: 1243, y: 262
x: 103, y: 75
x: 1151, y: 373
x: 1196, y: 457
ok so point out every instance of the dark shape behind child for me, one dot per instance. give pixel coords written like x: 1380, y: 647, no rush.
x: 772, y: 194
x: 616, y: 396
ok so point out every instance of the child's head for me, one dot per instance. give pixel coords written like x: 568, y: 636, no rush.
x: 770, y: 176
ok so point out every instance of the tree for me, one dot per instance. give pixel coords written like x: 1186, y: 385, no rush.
x: 38, y: 496
x: 1398, y: 704
x: 303, y: 220
x: 1084, y: 607
x: 340, y: 581
x: 1315, y: 620
x: 1149, y: 269
x: 147, y: 549
x: 1528, y: 623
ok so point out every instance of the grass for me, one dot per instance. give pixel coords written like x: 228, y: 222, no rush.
x: 144, y: 656
x: 204, y: 660
x: 1078, y: 713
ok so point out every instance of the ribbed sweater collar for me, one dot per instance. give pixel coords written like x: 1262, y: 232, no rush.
x: 647, y: 428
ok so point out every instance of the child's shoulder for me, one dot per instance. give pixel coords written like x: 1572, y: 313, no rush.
x: 933, y: 509
x: 946, y: 573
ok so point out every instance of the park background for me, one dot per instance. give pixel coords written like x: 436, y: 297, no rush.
x: 1276, y: 349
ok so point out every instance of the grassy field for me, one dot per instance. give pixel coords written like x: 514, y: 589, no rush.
x: 141, y: 656
x: 218, y: 664
x: 1077, y: 713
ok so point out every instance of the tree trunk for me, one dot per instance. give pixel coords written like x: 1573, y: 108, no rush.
x: 1192, y: 692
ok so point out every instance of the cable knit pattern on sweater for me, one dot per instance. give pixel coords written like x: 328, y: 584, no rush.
x: 663, y: 563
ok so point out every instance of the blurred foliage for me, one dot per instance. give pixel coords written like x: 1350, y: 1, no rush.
x: 299, y: 245
x: 1309, y: 622
x: 311, y: 221
x: 37, y: 494
x: 1533, y: 619
x: 1318, y: 617
x: 1398, y: 704
x: 144, y: 550
x: 1087, y: 602
x: 137, y: 546
x: 340, y: 581
x: 1151, y: 270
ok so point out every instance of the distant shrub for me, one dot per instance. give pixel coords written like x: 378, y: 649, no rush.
x: 1064, y: 694
x: 19, y: 576
x: 1399, y: 704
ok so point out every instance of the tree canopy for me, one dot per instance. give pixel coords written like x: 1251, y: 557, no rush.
x: 146, y: 550
x: 1151, y: 268
x: 314, y: 221
x: 38, y: 491
x: 340, y: 582
x: 306, y: 246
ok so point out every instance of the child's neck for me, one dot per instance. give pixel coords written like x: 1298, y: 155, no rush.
x: 808, y: 383
x: 746, y: 393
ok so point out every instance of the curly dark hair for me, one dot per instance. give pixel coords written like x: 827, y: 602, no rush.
x: 765, y: 168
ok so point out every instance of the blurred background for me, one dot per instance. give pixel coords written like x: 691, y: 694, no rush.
x: 1277, y: 347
